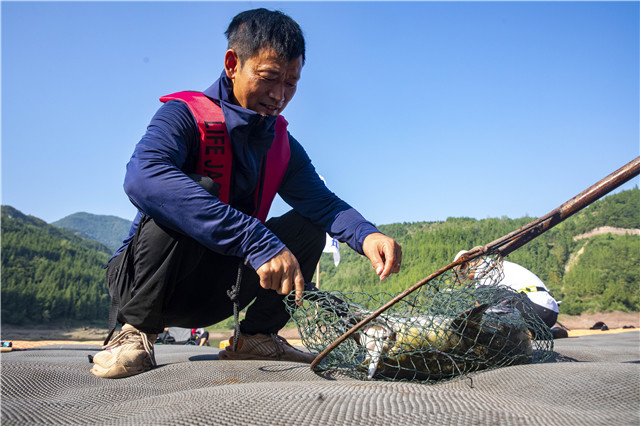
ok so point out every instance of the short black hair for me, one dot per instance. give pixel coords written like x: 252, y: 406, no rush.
x: 256, y: 29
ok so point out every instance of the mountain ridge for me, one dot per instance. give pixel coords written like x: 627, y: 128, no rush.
x: 108, y: 229
x: 50, y: 273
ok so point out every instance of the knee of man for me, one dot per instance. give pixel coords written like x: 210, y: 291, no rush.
x: 317, y: 236
x: 292, y: 225
x: 314, y: 236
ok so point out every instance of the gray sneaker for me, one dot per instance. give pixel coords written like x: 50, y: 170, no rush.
x: 129, y: 353
x: 265, y: 347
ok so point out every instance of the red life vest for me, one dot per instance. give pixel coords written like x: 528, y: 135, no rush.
x: 215, y: 155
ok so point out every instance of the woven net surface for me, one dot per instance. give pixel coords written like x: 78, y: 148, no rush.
x: 590, y: 380
x: 459, y: 322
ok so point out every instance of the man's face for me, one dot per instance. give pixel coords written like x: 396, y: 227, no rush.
x: 264, y: 83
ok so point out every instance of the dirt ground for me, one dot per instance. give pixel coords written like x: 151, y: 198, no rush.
x: 615, y: 319
x: 29, y: 336
x: 32, y: 336
x: 87, y: 334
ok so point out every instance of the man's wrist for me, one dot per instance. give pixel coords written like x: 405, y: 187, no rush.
x: 362, y: 232
x: 264, y: 254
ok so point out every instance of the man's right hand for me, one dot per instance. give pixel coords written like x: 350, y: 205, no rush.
x: 282, y: 274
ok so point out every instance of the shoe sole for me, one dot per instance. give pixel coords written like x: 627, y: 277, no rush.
x: 115, y: 372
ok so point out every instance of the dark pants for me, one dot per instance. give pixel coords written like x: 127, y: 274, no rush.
x: 166, y: 279
x: 547, y: 316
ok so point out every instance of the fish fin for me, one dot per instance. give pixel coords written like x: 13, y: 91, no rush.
x: 473, y: 316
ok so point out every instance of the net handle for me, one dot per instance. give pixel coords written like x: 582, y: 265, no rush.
x: 510, y: 242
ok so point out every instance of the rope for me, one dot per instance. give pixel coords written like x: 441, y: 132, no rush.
x: 234, y: 295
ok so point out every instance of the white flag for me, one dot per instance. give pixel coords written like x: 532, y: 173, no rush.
x: 331, y: 246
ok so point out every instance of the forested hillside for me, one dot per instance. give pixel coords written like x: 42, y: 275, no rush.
x: 109, y: 230
x: 606, y: 269
x: 50, y: 274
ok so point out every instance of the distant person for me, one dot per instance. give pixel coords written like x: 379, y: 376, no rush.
x: 201, y: 336
x: 524, y: 281
x: 203, y: 178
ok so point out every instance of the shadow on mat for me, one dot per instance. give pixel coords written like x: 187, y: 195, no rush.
x: 205, y: 357
x: 556, y: 357
x: 280, y: 368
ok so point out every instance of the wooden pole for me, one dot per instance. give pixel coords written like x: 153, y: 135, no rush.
x: 510, y: 242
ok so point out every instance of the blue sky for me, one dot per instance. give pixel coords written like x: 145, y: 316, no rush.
x: 411, y: 111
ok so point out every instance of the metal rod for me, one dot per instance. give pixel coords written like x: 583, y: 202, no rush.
x: 510, y: 242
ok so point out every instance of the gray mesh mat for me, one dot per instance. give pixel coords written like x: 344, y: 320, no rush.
x: 589, y: 380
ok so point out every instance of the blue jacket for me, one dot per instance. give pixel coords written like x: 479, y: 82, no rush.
x: 157, y: 184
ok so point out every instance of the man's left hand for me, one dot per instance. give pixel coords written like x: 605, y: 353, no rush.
x: 384, y: 253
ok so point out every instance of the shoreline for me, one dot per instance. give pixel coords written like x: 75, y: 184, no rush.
x: 59, y: 334
x: 29, y: 344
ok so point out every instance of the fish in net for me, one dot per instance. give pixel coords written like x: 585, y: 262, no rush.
x: 460, y: 322
x: 455, y: 321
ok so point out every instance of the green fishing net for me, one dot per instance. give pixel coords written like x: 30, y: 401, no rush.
x: 459, y: 322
